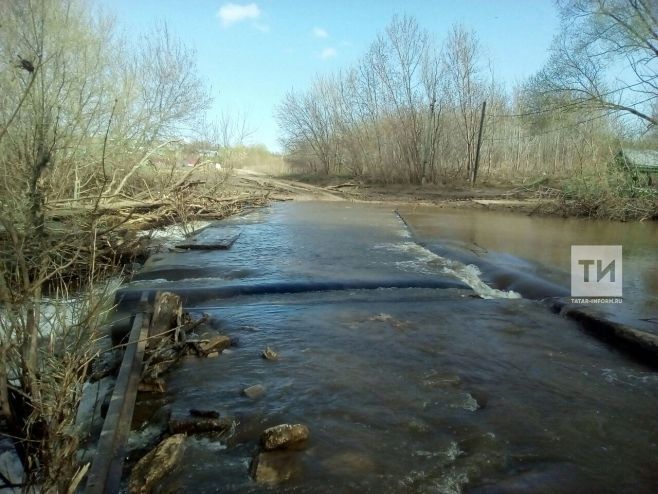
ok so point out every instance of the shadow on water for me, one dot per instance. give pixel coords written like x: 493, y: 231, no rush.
x: 404, y: 389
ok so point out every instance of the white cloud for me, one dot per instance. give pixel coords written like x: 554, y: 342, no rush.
x: 319, y: 32
x: 263, y: 28
x: 328, y: 53
x: 231, y: 13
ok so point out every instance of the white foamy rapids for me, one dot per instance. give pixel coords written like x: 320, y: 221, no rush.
x: 427, y: 262
x: 404, y: 233
x: 453, y: 452
x: 187, y: 282
x: 208, y: 444
x: 176, y: 232
x: 146, y: 283
x: 59, y: 314
x: 451, y: 480
x: 627, y: 377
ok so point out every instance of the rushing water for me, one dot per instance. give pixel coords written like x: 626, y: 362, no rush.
x: 543, y: 245
x: 436, y: 383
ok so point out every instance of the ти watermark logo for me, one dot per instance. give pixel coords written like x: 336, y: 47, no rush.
x: 596, y: 271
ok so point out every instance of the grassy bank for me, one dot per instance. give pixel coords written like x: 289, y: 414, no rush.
x: 612, y: 196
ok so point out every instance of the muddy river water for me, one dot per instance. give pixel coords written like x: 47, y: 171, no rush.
x: 414, y: 371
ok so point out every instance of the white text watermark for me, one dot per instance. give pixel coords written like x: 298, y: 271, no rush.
x: 596, y: 273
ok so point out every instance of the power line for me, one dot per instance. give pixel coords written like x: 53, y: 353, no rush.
x: 576, y: 124
x: 566, y: 105
x: 552, y: 131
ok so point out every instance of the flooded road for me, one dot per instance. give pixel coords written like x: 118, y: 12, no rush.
x: 411, y: 372
x: 542, y: 245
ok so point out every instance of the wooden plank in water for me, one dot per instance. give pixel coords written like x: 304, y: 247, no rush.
x: 105, y: 473
x: 506, y: 202
x: 222, y: 244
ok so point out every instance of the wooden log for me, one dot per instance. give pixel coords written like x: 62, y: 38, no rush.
x: 341, y: 186
x: 181, y: 423
x: 106, y: 468
x: 217, y: 343
x: 223, y: 244
x: 167, y: 315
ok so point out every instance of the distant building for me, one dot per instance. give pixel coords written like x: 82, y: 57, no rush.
x: 638, y: 162
x: 191, y: 160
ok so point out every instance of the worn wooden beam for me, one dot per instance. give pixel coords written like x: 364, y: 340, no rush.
x: 105, y: 473
x: 167, y: 314
x: 221, y: 244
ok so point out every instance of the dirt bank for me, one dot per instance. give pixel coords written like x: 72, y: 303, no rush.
x: 516, y: 199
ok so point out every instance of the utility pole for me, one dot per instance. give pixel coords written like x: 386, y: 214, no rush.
x: 477, y: 151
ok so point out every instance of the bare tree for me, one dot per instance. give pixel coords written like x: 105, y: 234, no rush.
x: 409, y: 112
x: 408, y: 45
x: 230, y: 133
x: 307, y: 122
x: 383, y: 116
x: 76, y: 116
x: 171, y: 95
x: 466, y: 86
x: 605, y: 58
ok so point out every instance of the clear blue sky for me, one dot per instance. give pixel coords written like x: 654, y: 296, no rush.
x: 253, y: 52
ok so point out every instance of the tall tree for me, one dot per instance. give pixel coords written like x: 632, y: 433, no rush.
x: 71, y: 95
x: 466, y: 85
x: 605, y: 58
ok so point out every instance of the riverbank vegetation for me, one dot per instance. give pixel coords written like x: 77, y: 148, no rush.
x: 411, y: 109
x: 91, y: 149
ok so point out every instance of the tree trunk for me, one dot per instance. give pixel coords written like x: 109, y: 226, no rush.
x: 5, y: 411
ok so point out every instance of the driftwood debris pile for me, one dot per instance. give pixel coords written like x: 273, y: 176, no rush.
x: 170, y: 339
x: 145, y: 214
x: 101, y: 234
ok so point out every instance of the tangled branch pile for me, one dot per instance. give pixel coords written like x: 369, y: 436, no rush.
x: 89, y: 153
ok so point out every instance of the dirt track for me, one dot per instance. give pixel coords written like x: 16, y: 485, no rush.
x: 454, y: 197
